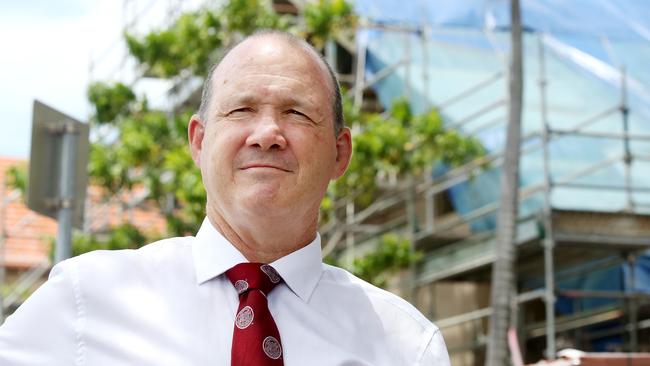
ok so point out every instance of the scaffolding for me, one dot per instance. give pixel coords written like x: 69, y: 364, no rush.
x: 550, y: 240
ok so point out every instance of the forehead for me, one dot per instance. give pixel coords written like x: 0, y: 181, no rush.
x: 273, y: 56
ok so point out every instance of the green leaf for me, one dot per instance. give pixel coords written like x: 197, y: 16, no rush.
x: 188, y: 45
x: 17, y: 178
x: 324, y: 18
x: 109, y: 101
x: 392, y: 254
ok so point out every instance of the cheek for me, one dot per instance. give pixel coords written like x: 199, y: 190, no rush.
x: 318, y: 159
x: 224, y: 144
x: 217, y: 157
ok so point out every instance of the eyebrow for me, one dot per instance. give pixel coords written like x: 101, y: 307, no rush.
x: 241, y: 98
x: 251, y: 98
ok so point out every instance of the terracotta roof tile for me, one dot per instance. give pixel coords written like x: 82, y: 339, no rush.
x: 28, y: 234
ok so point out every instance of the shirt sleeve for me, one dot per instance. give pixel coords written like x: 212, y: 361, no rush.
x: 44, y: 329
x: 435, y: 352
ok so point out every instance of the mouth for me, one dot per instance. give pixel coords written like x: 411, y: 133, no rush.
x: 263, y: 166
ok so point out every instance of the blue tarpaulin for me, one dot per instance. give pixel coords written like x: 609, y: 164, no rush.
x: 589, y: 47
x: 586, y: 45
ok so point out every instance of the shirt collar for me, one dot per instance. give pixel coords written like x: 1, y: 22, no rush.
x: 301, y: 270
x: 214, y: 255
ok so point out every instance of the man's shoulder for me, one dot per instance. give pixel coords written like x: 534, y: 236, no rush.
x: 167, y: 253
x: 382, y: 301
x: 153, y: 251
x: 393, y: 326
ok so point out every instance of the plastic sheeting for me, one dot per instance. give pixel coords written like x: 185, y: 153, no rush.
x: 448, y: 47
x: 613, y: 19
x: 456, y: 45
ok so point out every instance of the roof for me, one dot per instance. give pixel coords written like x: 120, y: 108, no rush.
x: 28, y: 234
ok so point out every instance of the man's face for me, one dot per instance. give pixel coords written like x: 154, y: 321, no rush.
x: 268, y: 145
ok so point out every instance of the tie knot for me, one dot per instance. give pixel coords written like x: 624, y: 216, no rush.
x: 249, y: 276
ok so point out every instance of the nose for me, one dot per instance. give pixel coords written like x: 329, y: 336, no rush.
x: 267, y: 134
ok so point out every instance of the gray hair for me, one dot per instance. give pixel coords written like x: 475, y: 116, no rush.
x: 337, y: 106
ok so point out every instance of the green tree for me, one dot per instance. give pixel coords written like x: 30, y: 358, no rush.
x: 324, y: 19
x: 185, y: 47
x: 400, y: 143
x: 109, y: 102
x: 123, y: 236
x: 392, y: 253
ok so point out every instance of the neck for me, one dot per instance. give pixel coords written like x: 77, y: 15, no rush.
x: 264, y: 239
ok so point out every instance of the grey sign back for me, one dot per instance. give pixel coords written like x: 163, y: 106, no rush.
x: 46, y: 163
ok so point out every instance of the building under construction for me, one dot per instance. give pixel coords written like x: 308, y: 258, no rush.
x: 583, y: 231
x: 583, y: 227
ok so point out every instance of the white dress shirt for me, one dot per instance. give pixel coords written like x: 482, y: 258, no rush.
x: 170, y: 303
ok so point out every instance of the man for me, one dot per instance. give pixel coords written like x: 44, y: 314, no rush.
x: 250, y: 288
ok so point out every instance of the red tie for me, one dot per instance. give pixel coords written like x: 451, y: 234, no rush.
x: 256, y: 340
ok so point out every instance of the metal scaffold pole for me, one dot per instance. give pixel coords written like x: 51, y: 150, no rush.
x: 349, y: 233
x: 360, y: 75
x: 429, y: 199
x: 548, y: 242
x: 424, y: 42
x: 627, y: 155
x: 408, y: 93
x: 412, y: 232
x: 632, y: 305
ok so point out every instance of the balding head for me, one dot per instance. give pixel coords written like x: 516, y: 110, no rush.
x: 293, y: 42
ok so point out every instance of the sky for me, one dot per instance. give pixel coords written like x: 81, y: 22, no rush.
x: 46, y: 49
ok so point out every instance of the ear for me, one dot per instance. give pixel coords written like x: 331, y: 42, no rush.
x: 343, y: 152
x: 195, y: 132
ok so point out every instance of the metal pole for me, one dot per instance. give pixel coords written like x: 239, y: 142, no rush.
x: 627, y: 157
x: 632, y: 302
x: 407, y: 70
x: 429, y: 210
x: 360, y: 74
x: 424, y: 38
x: 549, y: 242
x: 66, y: 194
x: 429, y: 198
x: 410, y: 207
x: 349, y: 236
x: 330, y: 54
x: 413, y: 229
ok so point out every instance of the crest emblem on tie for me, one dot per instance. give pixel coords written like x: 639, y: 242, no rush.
x: 244, y: 317
x: 272, y: 347
x: 241, y: 286
x: 271, y: 273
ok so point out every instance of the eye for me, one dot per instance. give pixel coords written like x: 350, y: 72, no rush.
x: 297, y: 113
x: 241, y: 110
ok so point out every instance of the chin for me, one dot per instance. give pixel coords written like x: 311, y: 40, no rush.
x: 262, y: 199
